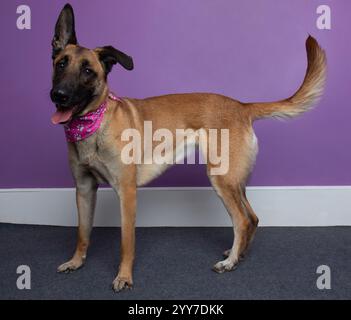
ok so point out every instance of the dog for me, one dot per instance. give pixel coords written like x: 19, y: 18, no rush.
x: 80, y: 88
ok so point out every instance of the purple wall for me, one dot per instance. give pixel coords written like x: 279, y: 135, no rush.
x: 252, y: 50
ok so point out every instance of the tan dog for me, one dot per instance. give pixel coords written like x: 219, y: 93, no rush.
x: 80, y: 86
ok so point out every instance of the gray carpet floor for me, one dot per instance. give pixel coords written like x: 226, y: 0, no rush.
x: 175, y: 263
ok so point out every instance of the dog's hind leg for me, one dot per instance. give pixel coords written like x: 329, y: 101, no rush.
x: 230, y: 187
x: 242, y: 226
x: 254, y: 223
x: 86, y: 189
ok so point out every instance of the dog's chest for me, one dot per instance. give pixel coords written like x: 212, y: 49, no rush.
x: 94, y: 155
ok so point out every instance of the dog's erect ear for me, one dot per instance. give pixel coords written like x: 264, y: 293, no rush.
x: 110, y: 56
x: 64, y: 30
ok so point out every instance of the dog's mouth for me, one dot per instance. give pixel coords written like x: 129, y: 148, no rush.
x: 65, y: 114
x: 62, y: 116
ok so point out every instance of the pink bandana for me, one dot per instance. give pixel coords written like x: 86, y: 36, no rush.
x: 83, y: 127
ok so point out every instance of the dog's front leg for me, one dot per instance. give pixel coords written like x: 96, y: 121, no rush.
x: 86, y: 188
x: 127, y: 195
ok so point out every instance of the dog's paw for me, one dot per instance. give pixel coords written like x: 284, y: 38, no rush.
x: 122, y: 283
x: 225, y: 266
x: 70, y: 266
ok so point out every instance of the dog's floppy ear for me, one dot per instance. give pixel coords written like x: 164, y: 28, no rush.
x: 110, y: 56
x: 64, y: 30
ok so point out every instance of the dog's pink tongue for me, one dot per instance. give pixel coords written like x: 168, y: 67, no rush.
x: 61, y: 116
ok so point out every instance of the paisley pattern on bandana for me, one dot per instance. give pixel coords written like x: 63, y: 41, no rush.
x: 83, y: 127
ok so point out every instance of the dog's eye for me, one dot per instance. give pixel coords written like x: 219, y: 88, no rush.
x: 88, y: 71
x: 61, y: 64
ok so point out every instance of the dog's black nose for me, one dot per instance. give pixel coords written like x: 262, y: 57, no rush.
x: 59, y: 96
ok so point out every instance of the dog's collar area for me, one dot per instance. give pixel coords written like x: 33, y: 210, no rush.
x: 83, y: 127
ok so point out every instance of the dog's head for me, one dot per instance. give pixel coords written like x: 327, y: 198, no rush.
x: 80, y: 75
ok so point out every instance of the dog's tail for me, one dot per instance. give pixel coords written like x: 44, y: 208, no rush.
x: 305, y: 97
